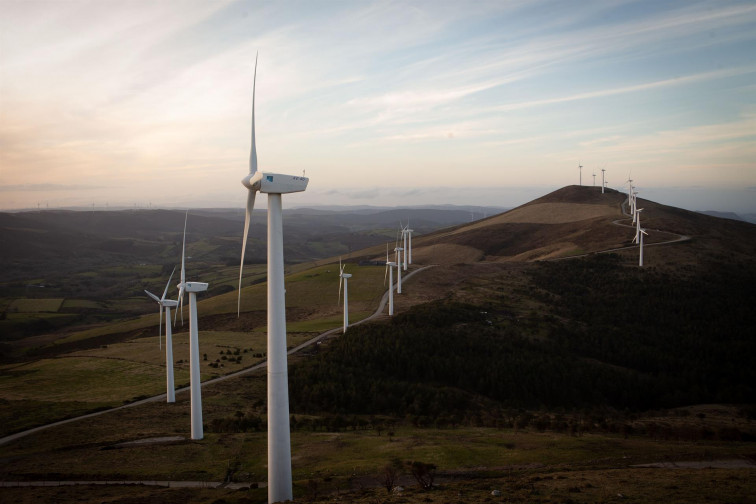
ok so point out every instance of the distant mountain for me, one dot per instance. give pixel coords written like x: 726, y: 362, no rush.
x: 80, y: 241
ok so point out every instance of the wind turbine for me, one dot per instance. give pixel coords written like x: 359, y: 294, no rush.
x: 640, y: 257
x: 398, y: 257
x: 279, y: 436
x: 343, y: 277
x: 194, y: 372
x: 404, y: 244
x: 637, y: 225
x: 390, y: 271
x: 409, y: 247
x: 603, y: 184
x: 167, y: 304
x: 580, y: 167
x: 594, y: 178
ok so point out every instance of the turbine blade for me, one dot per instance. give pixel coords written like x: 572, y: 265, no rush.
x: 180, y: 305
x: 183, y: 250
x: 247, y: 220
x: 385, y: 273
x: 169, y: 283
x: 340, y: 280
x: 253, y: 149
x: 153, y: 296
x: 160, y: 333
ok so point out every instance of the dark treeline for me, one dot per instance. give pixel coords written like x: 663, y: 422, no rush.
x: 693, y: 331
x: 626, y: 339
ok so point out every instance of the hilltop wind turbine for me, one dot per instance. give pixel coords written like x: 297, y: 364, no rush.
x: 343, y: 277
x: 194, y: 372
x: 640, y: 257
x: 580, y: 167
x: 603, y: 184
x: 279, y: 436
x: 390, y: 271
x: 167, y: 304
x: 637, y: 225
x: 398, y: 257
x: 404, y: 243
x: 594, y: 178
x: 409, y: 246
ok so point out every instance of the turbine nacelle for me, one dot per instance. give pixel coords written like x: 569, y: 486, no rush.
x: 275, y: 183
x: 194, y: 286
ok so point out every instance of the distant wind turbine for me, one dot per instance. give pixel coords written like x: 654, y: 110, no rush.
x: 404, y: 243
x: 166, y: 304
x: 409, y: 243
x: 343, y: 277
x: 194, y: 372
x: 637, y: 225
x: 279, y: 435
x: 398, y: 257
x: 390, y: 271
x: 640, y: 256
x: 580, y: 167
x: 603, y: 184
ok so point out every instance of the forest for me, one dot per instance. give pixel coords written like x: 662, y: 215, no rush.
x: 618, y: 337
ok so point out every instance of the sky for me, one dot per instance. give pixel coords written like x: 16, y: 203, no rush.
x: 142, y: 103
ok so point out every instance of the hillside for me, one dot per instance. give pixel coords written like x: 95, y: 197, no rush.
x: 613, y: 334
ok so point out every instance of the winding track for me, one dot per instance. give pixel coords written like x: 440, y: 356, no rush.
x: 619, y: 222
x: 264, y: 364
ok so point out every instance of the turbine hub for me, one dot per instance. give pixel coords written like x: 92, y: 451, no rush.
x: 252, y: 181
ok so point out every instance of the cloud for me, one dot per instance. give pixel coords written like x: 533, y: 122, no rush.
x: 677, y: 81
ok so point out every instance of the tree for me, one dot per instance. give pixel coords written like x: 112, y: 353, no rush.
x: 423, y: 473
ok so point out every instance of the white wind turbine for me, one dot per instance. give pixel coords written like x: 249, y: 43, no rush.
x: 404, y: 243
x: 390, y: 271
x: 640, y: 257
x: 398, y: 258
x: 279, y: 436
x: 637, y: 225
x: 194, y: 363
x: 343, y: 277
x: 409, y: 242
x: 594, y: 178
x: 580, y: 167
x: 166, y: 304
x: 603, y: 184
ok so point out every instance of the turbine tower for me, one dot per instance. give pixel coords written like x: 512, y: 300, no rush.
x: 640, y: 257
x: 637, y: 225
x: 166, y: 304
x: 398, y: 257
x: 603, y: 184
x: 390, y: 272
x: 343, y: 277
x: 409, y: 246
x: 194, y: 372
x: 279, y: 436
x: 580, y: 167
x: 404, y: 244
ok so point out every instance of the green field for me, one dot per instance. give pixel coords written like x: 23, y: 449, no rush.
x: 35, y: 305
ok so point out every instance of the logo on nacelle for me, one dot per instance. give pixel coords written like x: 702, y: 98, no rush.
x: 270, y: 178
